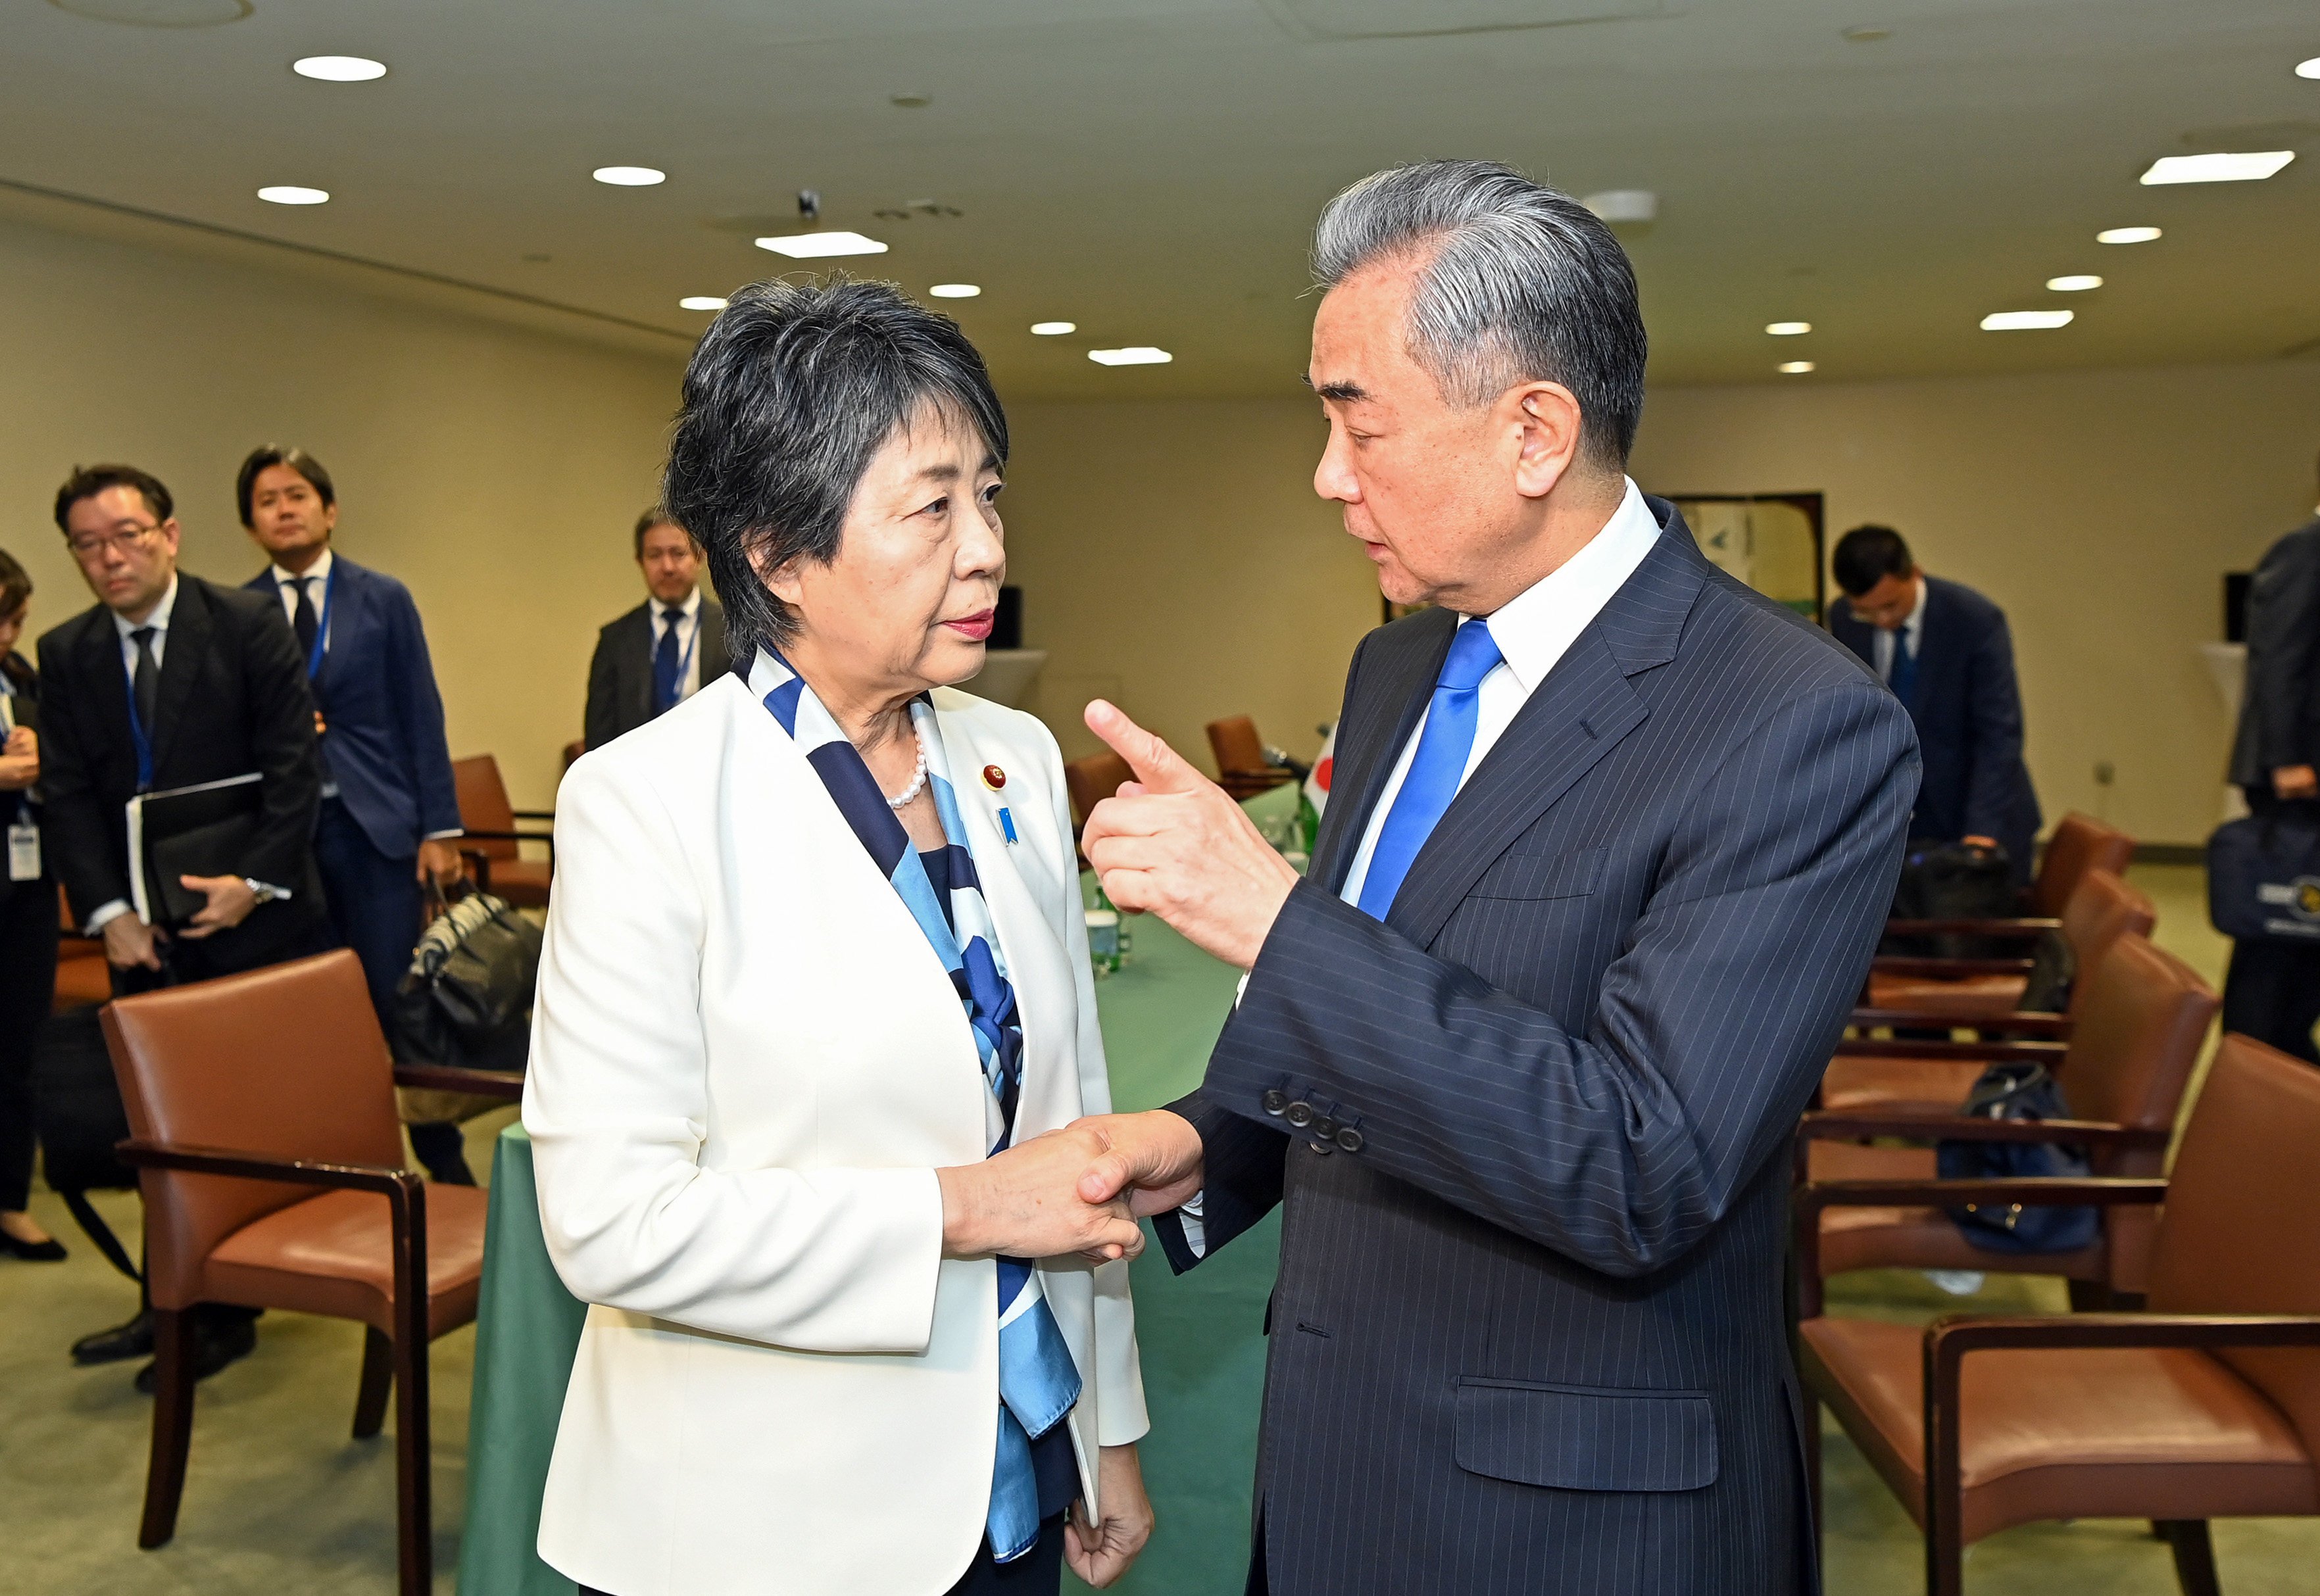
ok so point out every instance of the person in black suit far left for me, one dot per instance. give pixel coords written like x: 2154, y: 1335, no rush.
x: 28, y: 923
x: 390, y: 814
x: 170, y: 681
x: 1945, y: 652
x: 664, y: 650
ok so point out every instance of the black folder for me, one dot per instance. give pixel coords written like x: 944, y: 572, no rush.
x: 204, y: 829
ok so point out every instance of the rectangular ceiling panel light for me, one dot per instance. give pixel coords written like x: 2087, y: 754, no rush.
x: 2025, y: 321
x: 2222, y: 167
x: 1135, y: 354
x: 814, y: 246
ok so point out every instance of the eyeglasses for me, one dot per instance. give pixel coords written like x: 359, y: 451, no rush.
x: 87, y: 549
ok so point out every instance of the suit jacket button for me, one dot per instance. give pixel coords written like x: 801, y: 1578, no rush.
x: 1350, y: 1138
x: 1300, y: 1113
x: 1321, y: 1147
x: 1325, y: 1127
x: 1275, y: 1101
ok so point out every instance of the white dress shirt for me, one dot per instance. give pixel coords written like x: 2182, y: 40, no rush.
x: 1914, y: 630
x: 688, y: 638
x: 1533, y: 630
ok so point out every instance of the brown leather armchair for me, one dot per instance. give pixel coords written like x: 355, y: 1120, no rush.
x: 1090, y: 782
x: 1987, y: 993
x: 2139, y: 1035
x: 2208, y: 1406
x: 1242, y: 768
x: 2078, y: 843
x: 262, y: 1112
x: 492, y: 845
x: 83, y: 979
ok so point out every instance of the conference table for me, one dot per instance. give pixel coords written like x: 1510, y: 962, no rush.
x: 1201, y: 1336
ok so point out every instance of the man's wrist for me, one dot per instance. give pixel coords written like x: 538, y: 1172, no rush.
x: 106, y: 915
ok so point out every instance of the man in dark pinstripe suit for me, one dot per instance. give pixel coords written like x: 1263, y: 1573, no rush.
x: 1611, y: 842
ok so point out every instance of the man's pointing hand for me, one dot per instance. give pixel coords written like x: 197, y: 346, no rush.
x: 1174, y: 842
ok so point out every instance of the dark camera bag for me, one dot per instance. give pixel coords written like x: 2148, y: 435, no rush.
x: 1953, y: 881
x: 2018, y: 1091
x: 2263, y: 877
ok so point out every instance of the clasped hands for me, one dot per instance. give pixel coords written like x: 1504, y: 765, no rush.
x: 1077, y: 1190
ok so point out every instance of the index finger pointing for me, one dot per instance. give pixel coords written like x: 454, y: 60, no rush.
x: 1156, y: 765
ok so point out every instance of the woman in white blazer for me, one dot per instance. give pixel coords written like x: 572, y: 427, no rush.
x: 814, y: 1010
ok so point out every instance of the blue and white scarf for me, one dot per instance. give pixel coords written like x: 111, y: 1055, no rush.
x: 1038, y: 1382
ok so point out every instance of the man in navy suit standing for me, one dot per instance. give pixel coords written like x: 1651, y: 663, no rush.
x: 1610, y: 844
x: 390, y: 814
x: 1945, y: 652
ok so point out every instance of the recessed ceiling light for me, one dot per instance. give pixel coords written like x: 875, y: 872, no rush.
x: 954, y: 289
x: 1796, y: 367
x: 1866, y: 35
x: 2310, y: 68
x: 1624, y: 204
x: 290, y: 193
x: 339, y: 68
x: 2076, y: 283
x: 2126, y: 235
x: 2222, y: 166
x: 630, y: 177
x: 813, y: 245
x: 2023, y: 320
x: 914, y: 100
x: 701, y: 302
x: 1787, y: 329
x: 1050, y: 329
x: 1134, y: 355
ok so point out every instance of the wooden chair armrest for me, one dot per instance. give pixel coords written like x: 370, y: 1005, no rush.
x: 548, y: 837
x: 2026, y: 930
x: 1807, y: 1204
x: 505, y: 1084
x: 1828, y: 1126
x: 1953, y: 1335
x: 400, y: 1186
x: 2016, y: 1021
x: 2050, y: 1053
x: 1896, y: 965
x: 550, y: 815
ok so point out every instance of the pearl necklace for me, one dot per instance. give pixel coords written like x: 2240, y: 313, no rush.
x: 918, y: 778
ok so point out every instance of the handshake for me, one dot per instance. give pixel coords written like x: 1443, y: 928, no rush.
x: 1080, y: 1189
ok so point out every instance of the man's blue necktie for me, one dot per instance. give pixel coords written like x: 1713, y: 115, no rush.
x: 667, y: 664
x: 1904, y: 679
x: 1434, y: 771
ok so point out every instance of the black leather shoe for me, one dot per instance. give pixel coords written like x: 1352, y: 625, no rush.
x: 212, y: 1350
x: 51, y: 1251
x: 133, y: 1339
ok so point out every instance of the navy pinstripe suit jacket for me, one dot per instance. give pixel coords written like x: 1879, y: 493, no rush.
x: 1528, y: 1132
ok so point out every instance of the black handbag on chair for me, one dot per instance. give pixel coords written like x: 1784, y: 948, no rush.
x: 2263, y: 877
x: 2018, y: 1091
x: 1953, y: 881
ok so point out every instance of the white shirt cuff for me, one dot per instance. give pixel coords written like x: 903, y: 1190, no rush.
x: 105, y: 914
x: 1188, y: 1216
x: 442, y: 836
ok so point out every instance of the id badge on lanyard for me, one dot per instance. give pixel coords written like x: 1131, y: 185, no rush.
x: 24, y: 848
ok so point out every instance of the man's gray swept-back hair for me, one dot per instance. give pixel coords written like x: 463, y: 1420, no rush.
x: 1518, y: 284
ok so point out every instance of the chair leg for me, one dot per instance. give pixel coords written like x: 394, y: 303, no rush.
x: 2195, y: 1555
x: 377, y: 1378
x: 2090, y: 1296
x: 414, y: 1503
x: 173, y: 1425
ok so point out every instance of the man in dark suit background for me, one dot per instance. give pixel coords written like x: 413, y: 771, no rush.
x: 390, y: 812
x: 1611, y: 841
x: 2272, y: 992
x: 1945, y: 652
x: 170, y: 681
x: 662, y: 652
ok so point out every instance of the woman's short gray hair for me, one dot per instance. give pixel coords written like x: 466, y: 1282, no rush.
x: 1518, y: 283
x: 789, y: 393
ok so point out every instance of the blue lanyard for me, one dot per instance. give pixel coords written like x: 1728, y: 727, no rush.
x: 138, y: 735
x: 321, y: 622
x: 683, y: 660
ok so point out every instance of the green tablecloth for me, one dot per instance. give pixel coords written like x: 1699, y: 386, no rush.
x: 1202, y: 1336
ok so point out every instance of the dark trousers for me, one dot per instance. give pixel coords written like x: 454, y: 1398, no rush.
x: 1039, y: 1571
x: 374, y: 901
x: 28, y: 981
x: 2272, y: 990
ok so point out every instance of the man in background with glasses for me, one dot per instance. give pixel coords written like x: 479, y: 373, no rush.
x: 166, y: 682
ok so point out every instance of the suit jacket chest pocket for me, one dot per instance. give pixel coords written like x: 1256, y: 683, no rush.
x: 1535, y: 876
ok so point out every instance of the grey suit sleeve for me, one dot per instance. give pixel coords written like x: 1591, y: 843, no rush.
x: 1994, y: 733
x: 1621, y: 1147
x: 2283, y: 644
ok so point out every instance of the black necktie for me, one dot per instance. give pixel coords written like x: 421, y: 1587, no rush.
x: 301, y: 618
x: 147, y: 683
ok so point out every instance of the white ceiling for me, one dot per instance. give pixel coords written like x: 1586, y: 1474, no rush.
x: 1150, y: 168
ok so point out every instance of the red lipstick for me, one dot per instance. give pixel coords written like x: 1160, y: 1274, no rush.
x: 976, y: 626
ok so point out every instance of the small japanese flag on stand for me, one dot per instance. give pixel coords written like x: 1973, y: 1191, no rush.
x: 1315, y: 795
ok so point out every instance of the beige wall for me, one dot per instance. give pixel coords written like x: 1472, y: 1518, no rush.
x: 496, y: 470
x: 1173, y: 554
x: 2099, y: 509
x: 1173, y: 557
